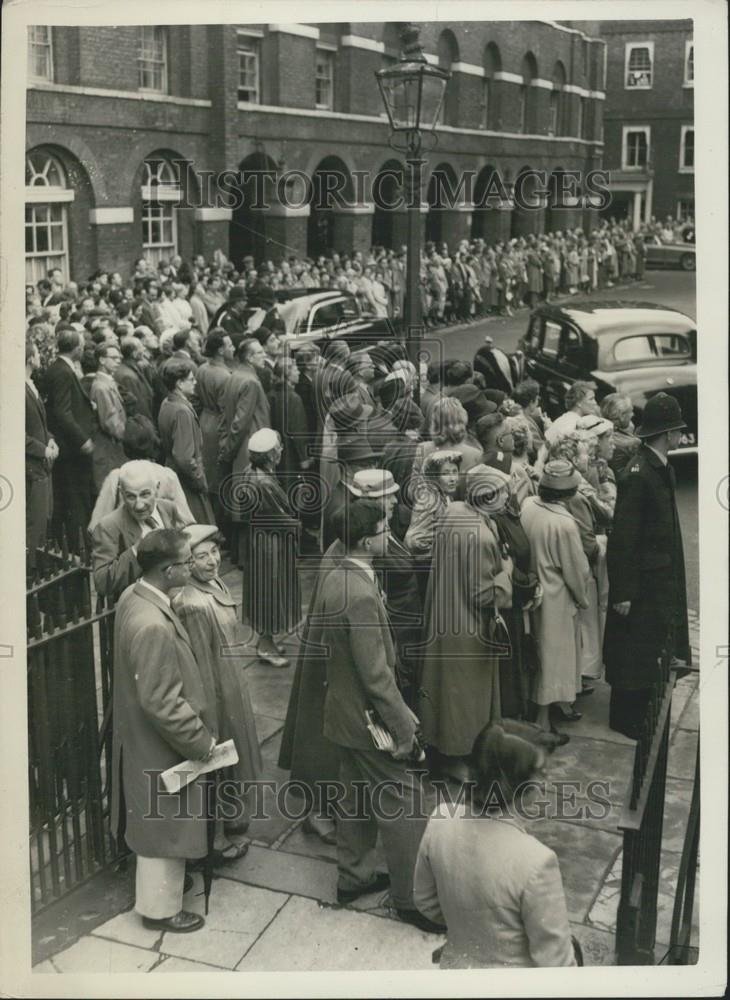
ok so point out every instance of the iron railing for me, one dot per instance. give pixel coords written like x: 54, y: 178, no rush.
x: 681, y: 949
x: 641, y: 822
x: 70, y: 666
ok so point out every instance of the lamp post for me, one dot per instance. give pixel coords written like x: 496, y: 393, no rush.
x: 412, y: 92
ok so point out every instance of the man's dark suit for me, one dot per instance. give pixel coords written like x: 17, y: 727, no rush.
x: 115, y: 564
x: 38, y: 491
x: 72, y: 422
x: 351, y: 622
x: 131, y: 380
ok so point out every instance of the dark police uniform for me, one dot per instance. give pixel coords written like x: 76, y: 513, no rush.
x: 646, y: 567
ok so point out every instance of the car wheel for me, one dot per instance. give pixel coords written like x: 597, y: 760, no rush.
x: 687, y: 262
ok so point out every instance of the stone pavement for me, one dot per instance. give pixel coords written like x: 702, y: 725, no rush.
x: 275, y: 909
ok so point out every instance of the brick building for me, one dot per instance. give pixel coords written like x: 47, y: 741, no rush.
x: 649, y: 117
x: 130, y: 132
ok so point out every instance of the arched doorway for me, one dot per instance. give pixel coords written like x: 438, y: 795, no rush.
x: 247, y: 234
x: 526, y: 213
x: 488, y: 193
x: 443, y: 178
x: 387, y: 192
x: 331, y: 188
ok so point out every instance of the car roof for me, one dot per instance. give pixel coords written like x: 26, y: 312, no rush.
x: 599, y: 318
x: 297, y: 309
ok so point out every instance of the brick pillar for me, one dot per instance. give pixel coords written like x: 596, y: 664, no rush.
x: 502, y: 219
x: 118, y: 239
x: 456, y: 225
x: 286, y: 231
x: 211, y: 230
x: 354, y: 227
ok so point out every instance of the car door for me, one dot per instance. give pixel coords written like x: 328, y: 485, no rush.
x: 543, y: 349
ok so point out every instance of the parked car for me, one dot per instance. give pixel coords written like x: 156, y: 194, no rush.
x: 660, y: 254
x: 634, y: 347
x: 314, y: 316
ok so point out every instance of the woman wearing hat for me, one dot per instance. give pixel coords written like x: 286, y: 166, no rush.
x: 182, y: 438
x: 496, y: 887
x: 449, y: 422
x: 558, y: 559
x: 208, y: 612
x: 269, y: 540
x: 469, y: 580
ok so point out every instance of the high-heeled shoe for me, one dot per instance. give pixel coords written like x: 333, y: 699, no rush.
x: 274, y: 659
x: 563, y: 716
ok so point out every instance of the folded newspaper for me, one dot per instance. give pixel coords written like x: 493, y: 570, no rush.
x: 383, y: 738
x: 177, y: 777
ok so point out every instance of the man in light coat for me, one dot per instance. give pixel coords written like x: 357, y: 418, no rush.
x: 116, y: 537
x: 110, y: 414
x: 163, y: 714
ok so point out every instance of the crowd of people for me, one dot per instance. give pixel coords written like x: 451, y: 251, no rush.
x: 473, y: 564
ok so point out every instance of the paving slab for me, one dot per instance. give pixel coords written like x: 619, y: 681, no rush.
x: 690, y: 718
x: 269, y: 688
x: 583, y: 760
x: 94, y: 954
x: 683, y: 754
x: 266, y: 727
x: 584, y: 855
x: 676, y: 813
x: 308, y: 937
x: 283, y: 872
x: 276, y: 812
x: 594, y: 724
x: 129, y: 929
x: 309, y: 845
x: 598, y: 945
x: 183, y: 965
x: 222, y: 948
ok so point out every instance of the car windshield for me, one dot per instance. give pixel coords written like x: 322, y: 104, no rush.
x: 651, y: 347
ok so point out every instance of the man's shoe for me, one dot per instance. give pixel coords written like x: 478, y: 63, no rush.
x: 182, y: 923
x: 422, y: 923
x: 236, y: 826
x: 273, y: 659
x: 378, y: 884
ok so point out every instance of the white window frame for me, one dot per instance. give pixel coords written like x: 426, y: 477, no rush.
x: 683, y: 168
x: 329, y: 57
x: 689, y: 47
x: 485, y: 100
x: 646, y: 129
x: 630, y: 46
x: 48, y: 45
x: 554, y: 110
x: 249, y: 44
x: 161, y: 193
x: 55, y: 198
x: 143, y: 64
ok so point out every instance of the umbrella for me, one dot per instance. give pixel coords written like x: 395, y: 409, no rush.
x: 211, y: 796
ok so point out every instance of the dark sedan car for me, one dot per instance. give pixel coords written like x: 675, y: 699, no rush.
x: 312, y: 315
x: 634, y: 347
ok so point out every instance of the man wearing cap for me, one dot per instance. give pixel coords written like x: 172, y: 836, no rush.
x: 353, y: 454
x: 647, y: 613
x: 115, y: 538
x: 232, y: 315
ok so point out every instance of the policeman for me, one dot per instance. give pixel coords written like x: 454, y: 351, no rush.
x: 647, y: 612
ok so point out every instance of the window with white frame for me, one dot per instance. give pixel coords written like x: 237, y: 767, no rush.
x: 161, y: 194
x: 40, y: 53
x: 486, y: 84
x: 639, y: 65
x: 689, y: 64
x: 636, y: 147
x: 324, y: 77
x: 152, y: 58
x: 554, y: 112
x: 685, y: 209
x: 249, y: 69
x: 46, y: 200
x: 687, y: 149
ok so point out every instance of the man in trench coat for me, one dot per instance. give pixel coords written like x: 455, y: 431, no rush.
x: 647, y: 613
x: 164, y: 713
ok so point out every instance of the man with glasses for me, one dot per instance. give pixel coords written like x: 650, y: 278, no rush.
x: 115, y: 539
x: 164, y: 713
x: 111, y: 416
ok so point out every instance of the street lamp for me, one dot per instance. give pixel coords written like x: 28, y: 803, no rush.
x: 412, y: 92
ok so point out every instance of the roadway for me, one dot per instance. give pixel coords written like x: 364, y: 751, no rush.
x: 670, y: 288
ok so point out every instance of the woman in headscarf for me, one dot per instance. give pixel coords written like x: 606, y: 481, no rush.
x: 449, y: 421
x: 208, y: 612
x: 269, y: 541
x: 181, y: 437
x: 470, y: 579
x: 558, y: 559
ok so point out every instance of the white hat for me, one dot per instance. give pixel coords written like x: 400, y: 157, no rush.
x: 373, y: 483
x: 263, y: 440
x: 594, y: 424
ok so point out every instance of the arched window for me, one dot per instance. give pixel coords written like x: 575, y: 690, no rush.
x: 492, y: 64
x: 161, y: 194
x: 448, y: 54
x: 555, y: 124
x: 46, y: 223
x: 528, y: 73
